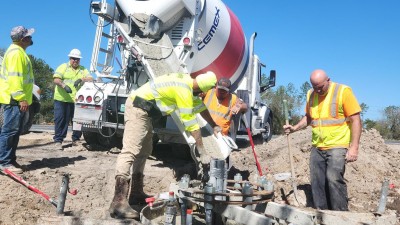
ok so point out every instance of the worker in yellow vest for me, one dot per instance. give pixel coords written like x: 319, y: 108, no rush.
x: 16, y: 85
x: 68, y: 79
x: 160, y: 96
x: 223, y: 105
x: 333, y: 112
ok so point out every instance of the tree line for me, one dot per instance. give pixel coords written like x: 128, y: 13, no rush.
x: 388, y: 126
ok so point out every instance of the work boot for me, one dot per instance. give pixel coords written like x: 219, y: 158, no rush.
x: 58, y: 146
x: 75, y: 143
x: 12, y: 168
x: 137, y: 195
x: 119, y: 208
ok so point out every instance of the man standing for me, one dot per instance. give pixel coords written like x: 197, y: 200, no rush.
x: 68, y: 78
x: 161, y: 96
x: 223, y: 105
x: 334, y: 114
x: 16, y: 84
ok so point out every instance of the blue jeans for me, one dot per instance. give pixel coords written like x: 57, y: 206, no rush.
x: 329, y: 190
x: 9, y: 133
x: 63, y: 114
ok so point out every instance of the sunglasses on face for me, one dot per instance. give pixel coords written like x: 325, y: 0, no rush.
x: 75, y: 59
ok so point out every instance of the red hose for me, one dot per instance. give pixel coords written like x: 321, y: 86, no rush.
x: 30, y: 187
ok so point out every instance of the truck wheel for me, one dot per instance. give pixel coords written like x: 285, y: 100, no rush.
x: 90, y: 138
x: 267, y: 135
x: 34, y: 108
x: 264, y: 136
x: 96, y: 139
x: 155, y: 139
x: 27, y: 122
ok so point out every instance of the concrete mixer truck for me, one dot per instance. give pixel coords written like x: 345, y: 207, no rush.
x: 144, y: 39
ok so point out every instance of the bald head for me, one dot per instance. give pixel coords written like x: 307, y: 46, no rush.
x: 319, y: 81
x: 318, y: 76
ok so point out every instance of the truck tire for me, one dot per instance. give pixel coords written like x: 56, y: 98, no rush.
x: 96, y: 139
x: 155, y: 139
x: 264, y: 136
x: 27, y: 120
x: 267, y: 135
x: 90, y: 138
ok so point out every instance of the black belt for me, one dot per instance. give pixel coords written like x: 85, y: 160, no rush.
x: 149, y: 106
x: 14, y: 102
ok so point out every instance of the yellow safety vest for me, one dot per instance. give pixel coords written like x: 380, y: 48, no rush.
x: 68, y: 75
x: 330, y: 127
x: 221, y: 113
x: 16, y: 76
x: 173, y: 92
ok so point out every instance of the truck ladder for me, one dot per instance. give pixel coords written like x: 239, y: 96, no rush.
x: 104, y: 43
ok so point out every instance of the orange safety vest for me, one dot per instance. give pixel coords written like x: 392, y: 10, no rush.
x: 220, y: 112
x: 330, y: 127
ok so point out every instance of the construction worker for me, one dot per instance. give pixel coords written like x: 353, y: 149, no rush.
x: 223, y: 105
x: 16, y: 85
x: 161, y: 96
x: 334, y: 114
x: 68, y: 78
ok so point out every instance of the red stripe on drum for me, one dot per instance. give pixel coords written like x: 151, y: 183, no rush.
x: 228, y: 62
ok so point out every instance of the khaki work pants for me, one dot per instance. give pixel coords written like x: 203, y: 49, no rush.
x: 137, y: 142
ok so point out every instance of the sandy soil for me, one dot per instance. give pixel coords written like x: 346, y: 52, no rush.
x: 91, y: 173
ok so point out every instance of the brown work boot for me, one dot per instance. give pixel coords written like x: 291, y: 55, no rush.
x: 119, y: 208
x: 137, y: 195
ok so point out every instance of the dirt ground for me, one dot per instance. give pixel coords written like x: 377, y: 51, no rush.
x: 91, y: 173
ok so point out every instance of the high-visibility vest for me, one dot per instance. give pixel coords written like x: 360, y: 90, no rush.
x: 173, y: 92
x: 220, y: 111
x: 16, y: 76
x: 68, y: 75
x: 330, y: 127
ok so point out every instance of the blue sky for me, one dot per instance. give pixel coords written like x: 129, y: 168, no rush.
x: 356, y: 42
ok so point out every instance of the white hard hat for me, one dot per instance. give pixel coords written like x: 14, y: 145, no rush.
x: 75, y: 53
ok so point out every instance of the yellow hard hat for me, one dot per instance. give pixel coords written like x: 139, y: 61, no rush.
x: 206, y: 81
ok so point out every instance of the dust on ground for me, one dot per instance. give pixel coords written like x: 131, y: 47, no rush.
x: 92, y: 172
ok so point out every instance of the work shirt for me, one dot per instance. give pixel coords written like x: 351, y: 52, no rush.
x: 68, y: 75
x: 173, y: 92
x: 329, y: 116
x: 16, y: 76
x: 220, y: 111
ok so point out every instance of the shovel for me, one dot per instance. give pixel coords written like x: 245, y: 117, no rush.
x: 63, y: 190
x: 293, y: 176
x: 246, y: 124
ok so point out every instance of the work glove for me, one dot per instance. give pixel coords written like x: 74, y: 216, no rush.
x: 67, y: 89
x: 77, y: 83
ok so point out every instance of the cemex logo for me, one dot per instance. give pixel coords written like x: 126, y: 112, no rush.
x: 210, y: 33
